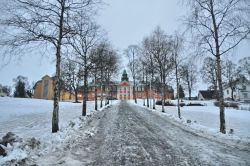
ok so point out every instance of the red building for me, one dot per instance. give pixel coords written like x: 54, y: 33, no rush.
x: 124, y: 90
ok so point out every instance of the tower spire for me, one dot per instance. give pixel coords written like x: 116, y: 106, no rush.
x: 124, y: 76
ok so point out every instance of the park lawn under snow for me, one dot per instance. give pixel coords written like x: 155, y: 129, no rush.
x: 31, y: 118
x: 206, y: 118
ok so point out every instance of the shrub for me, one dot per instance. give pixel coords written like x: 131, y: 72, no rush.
x: 195, y: 104
x: 158, y: 102
x: 227, y: 104
x: 167, y: 103
x: 182, y: 104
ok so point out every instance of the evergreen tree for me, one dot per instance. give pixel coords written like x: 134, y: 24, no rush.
x: 181, y: 92
x: 21, y: 85
x: 20, y: 89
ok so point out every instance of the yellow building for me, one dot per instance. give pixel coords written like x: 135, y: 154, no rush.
x: 44, y: 89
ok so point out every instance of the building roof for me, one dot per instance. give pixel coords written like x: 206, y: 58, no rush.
x: 207, y: 94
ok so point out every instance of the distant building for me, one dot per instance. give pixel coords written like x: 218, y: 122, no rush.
x: 206, y: 95
x: 241, y: 91
x: 125, y: 89
x: 44, y: 89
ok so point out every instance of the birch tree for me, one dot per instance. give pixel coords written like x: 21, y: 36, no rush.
x: 244, y: 66
x: 158, y: 44
x: 177, y: 45
x: 231, y: 74
x: 189, y: 75
x: 72, y: 77
x: 132, y: 53
x: 208, y: 73
x: 85, y: 36
x: 37, y: 22
x: 218, y: 27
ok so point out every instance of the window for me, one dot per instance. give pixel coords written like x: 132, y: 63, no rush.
x: 244, y: 87
x: 45, y: 89
x: 228, y: 92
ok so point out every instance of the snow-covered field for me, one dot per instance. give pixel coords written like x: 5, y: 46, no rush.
x: 206, y: 118
x: 31, y: 118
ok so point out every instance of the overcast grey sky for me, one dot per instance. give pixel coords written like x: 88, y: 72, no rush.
x: 126, y: 22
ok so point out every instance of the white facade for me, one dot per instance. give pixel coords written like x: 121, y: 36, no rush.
x: 241, y: 93
x: 200, y: 97
x: 125, y: 91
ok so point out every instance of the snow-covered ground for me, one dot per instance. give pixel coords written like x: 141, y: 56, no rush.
x: 75, y: 142
x: 31, y: 118
x: 207, y: 117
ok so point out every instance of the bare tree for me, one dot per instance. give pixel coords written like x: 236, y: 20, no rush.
x: 218, y: 27
x: 111, y: 66
x: 231, y: 74
x: 72, y: 77
x: 132, y: 53
x: 208, y: 73
x: 149, y: 62
x: 244, y: 66
x: 158, y: 44
x: 86, y: 34
x: 104, y: 59
x: 177, y: 45
x: 45, y: 22
x: 189, y: 75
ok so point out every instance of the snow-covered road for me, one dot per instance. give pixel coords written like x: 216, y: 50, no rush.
x: 127, y: 134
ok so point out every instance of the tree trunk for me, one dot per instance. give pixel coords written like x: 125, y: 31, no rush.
x: 144, y: 100
x: 221, y: 99
x: 218, y: 62
x: 85, y: 94
x: 153, y: 99
x: 55, y: 115
x: 76, y: 96
x: 189, y: 93
x: 147, y: 91
x: 134, y: 95
x: 101, y: 95
x: 232, y: 94
x: 177, y: 85
x: 96, y: 104
x: 162, y: 98
x: 107, y: 96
